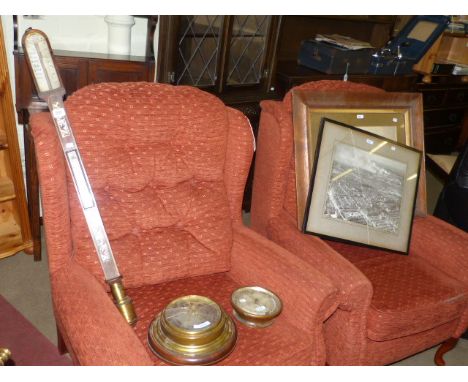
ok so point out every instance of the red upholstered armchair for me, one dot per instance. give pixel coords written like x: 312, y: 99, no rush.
x: 168, y: 167
x: 390, y: 306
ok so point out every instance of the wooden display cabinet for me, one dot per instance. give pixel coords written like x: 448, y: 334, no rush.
x: 15, y: 233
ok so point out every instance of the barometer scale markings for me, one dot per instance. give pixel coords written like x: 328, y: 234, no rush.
x: 50, y: 88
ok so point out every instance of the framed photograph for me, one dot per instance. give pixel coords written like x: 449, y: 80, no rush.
x: 396, y: 116
x: 363, y: 188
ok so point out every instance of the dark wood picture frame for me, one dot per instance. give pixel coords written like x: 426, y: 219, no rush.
x: 351, y: 103
x: 397, y: 166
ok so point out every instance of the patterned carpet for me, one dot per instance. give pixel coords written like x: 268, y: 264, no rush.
x: 28, y: 346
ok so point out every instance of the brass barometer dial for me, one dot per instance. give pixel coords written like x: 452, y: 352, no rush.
x: 193, y: 314
x: 255, y: 306
x: 192, y: 330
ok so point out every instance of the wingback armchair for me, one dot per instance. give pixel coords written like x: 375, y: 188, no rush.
x: 390, y: 306
x: 168, y: 166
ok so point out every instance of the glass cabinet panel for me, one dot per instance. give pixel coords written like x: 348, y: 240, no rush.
x: 247, y: 49
x: 198, y: 42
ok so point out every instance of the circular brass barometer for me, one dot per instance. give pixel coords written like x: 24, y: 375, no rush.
x: 255, y: 306
x: 192, y: 330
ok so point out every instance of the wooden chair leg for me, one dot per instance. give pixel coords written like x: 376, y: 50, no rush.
x: 444, y: 348
x: 62, y: 348
x: 32, y: 188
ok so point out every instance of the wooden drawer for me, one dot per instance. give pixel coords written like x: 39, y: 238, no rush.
x: 442, y: 140
x: 445, y: 97
x: 440, y: 117
x: 457, y: 97
x: 116, y: 71
x: 433, y: 98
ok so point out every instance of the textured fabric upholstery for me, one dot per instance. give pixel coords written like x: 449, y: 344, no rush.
x: 254, y: 347
x: 86, y: 317
x: 390, y: 306
x: 159, y: 180
x: 409, y: 296
x: 168, y: 167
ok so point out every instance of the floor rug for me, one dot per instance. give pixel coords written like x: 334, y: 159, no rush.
x: 28, y: 346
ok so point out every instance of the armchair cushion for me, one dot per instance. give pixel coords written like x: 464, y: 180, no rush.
x: 278, y: 344
x: 296, y: 336
x: 410, y: 296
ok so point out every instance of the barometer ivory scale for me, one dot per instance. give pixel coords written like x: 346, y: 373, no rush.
x: 50, y: 88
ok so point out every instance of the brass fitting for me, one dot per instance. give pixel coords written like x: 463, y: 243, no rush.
x: 123, y: 302
x: 5, y: 355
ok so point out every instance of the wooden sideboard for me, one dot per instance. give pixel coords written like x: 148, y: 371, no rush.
x: 78, y: 69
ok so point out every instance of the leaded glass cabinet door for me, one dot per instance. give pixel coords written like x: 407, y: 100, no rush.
x: 198, y: 50
x: 216, y: 52
x: 247, y: 51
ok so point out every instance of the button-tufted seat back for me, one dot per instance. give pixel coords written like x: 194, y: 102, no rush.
x: 156, y: 158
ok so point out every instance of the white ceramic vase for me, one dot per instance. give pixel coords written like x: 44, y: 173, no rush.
x: 119, y: 34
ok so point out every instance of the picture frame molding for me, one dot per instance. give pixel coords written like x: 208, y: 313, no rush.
x: 313, y: 186
x: 342, y: 101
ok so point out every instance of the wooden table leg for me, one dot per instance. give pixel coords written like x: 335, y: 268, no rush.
x: 444, y: 348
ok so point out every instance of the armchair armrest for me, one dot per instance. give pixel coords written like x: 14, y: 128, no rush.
x: 346, y: 330
x: 354, y: 289
x: 308, y: 296
x: 442, y: 245
x: 93, y: 329
x: 54, y: 192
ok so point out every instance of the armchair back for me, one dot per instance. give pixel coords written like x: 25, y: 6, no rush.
x: 274, y: 193
x: 161, y: 160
